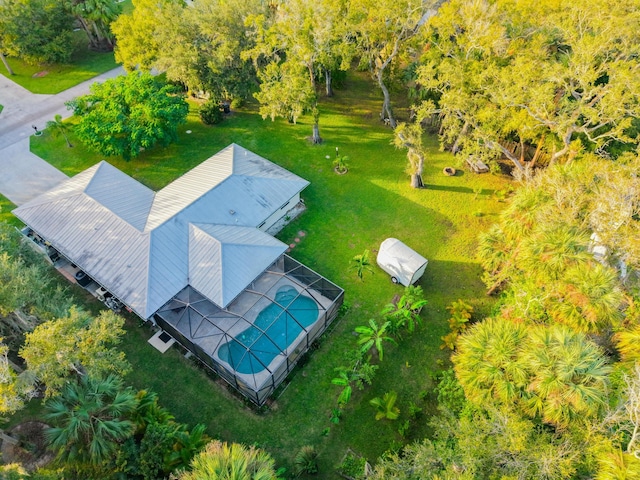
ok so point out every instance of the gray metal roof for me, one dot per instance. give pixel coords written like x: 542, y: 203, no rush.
x: 146, y: 247
x: 224, y: 259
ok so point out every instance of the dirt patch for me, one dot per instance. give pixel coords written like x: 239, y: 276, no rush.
x: 40, y: 74
x: 30, y: 449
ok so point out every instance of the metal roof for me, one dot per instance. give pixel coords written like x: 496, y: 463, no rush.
x: 144, y: 247
x: 224, y: 259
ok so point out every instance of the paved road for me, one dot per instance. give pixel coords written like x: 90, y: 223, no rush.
x: 23, y: 175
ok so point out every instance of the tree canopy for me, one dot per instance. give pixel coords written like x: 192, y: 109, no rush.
x: 129, y: 113
x: 548, y: 73
x: 77, y: 344
x: 37, y: 31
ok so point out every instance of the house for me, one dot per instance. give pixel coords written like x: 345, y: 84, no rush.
x: 193, y: 256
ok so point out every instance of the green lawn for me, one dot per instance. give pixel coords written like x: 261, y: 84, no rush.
x: 84, y: 65
x: 5, y: 212
x: 346, y: 215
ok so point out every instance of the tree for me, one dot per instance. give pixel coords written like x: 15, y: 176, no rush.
x: 129, y: 113
x: 222, y: 461
x: 568, y: 376
x: 362, y: 264
x: 95, y: 16
x: 487, y: 362
x: 382, y: 31
x: 199, y: 46
x: 77, y: 344
x: 301, y: 38
x: 5, y: 62
x: 137, y: 41
x: 386, y: 406
x: 15, y: 389
x: 27, y: 286
x: 562, y: 249
x: 551, y: 373
x: 409, y: 136
x: 58, y: 127
x: 90, y: 420
x: 566, y: 84
x: 37, y: 31
x: 373, y: 336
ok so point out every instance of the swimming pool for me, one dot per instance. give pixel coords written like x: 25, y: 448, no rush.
x: 251, y: 351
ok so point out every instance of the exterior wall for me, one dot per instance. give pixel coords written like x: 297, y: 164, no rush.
x: 278, y: 214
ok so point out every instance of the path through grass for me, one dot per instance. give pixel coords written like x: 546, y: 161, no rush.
x: 345, y: 215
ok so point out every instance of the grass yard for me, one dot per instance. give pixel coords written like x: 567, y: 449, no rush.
x: 5, y: 212
x: 84, y: 65
x: 346, y: 214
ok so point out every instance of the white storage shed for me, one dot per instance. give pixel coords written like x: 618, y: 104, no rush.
x: 404, y: 264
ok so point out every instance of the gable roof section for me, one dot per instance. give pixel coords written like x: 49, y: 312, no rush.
x: 224, y: 259
x: 136, y: 243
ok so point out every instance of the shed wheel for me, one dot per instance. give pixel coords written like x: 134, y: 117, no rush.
x: 394, y: 280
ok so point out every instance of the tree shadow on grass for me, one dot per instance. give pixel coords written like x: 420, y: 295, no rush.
x: 484, y: 192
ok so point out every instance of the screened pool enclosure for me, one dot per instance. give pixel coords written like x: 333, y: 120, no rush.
x: 256, y: 341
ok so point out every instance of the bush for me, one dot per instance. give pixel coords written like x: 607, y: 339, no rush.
x: 211, y: 113
x: 306, y: 460
x: 237, y: 102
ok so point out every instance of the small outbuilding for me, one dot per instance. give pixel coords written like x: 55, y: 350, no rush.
x: 404, y: 264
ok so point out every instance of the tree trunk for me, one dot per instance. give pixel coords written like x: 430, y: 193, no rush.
x: 6, y: 64
x: 386, y: 113
x: 416, y: 181
x: 315, y: 139
x: 536, y: 155
x: 508, y: 154
x: 456, y: 145
x: 93, y: 44
x: 566, y: 140
x: 327, y: 81
x: 67, y: 139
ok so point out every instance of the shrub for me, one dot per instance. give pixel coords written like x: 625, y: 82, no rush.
x: 306, y: 460
x: 211, y: 113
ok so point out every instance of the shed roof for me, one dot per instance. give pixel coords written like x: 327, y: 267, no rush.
x: 144, y: 247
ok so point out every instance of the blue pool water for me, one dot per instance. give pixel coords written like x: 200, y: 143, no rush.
x: 280, y: 330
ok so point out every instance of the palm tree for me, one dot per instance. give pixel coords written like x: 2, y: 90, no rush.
x: 588, y: 298
x: 558, y: 246
x: 569, y: 376
x: 58, y: 127
x: 221, y: 461
x: 90, y: 418
x: 96, y: 16
x: 362, y: 264
x: 373, y: 336
x: 627, y: 342
x: 487, y: 362
x: 386, y: 406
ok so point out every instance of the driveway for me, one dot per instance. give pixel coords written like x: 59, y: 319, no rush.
x: 23, y: 175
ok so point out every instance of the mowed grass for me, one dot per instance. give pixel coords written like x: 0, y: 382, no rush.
x: 55, y: 78
x: 345, y: 215
x: 5, y: 212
